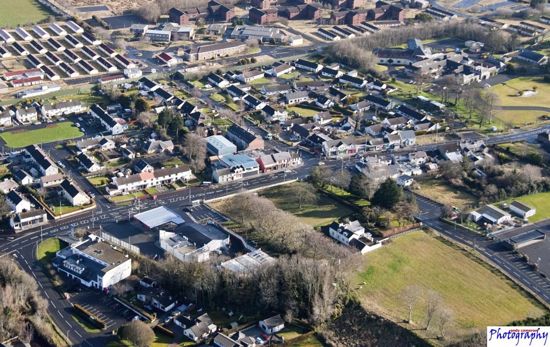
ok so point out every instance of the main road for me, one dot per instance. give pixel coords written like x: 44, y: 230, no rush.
x: 22, y: 247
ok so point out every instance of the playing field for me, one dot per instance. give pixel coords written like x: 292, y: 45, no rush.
x: 20, y: 12
x: 51, y: 133
x: 476, y: 295
x: 523, y: 117
x: 508, y: 92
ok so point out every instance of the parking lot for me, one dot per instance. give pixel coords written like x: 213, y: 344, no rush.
x: 202, y: 214
x: 101, y: 305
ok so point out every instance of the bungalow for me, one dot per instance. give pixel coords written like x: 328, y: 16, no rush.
x: 253, y: 103
x: 395, y: 122
x: 247, y: 76
x: 353, y: 81
x: 276, y: 89
x: 279, y: 69
x: 379, y: 102
x: 323, y: 102
x: 235, y: 92
x: 308, y: 66
x: 418, y: 157
x: 74, y: 194
x: 202, y: 328
x: 407, y: 138
x: 188, y: 108
x: 299, y: 131
x: 346, y: 232
x: 7, y: 185
x: 296, y: 97
x: 274, y: 115
x: 331, y: 72
x: 167, y: 59
x: 217, y: 80
x: 404, y: 181
x: 272, y: 325
x: 244, y: 139
x: 159, y: 146
x: 490, y: 214
x: 5, y: 119
x: 17, y: 202
x: 411, y: 113
x: 360, y: 107
x: 377, y: 85
x: 522, y: 210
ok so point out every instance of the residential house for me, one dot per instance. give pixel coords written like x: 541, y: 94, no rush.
x: 274, y: 115
x: 407, y: 138
x: 379, y: 102
x: 247, y: 76
x: 7, y: 185
x: 115, y: 126
x: 532, y: 57
x: 262, y: 17
x: 42, y: 160
x: 17, y: 202
x: 353, y: 81
x: 217, y: 80
x: 308, y: 65
x: 26, y: 115
x: 404, y: 181
x: 28, y: 219
x: 279, y: 69
x: 343, y: 148
x: 158, y: 146
x: 202, y: 328
x: 253, y: 103
x: 23, y: 177
x: 296, y: 97
x: 88, y: 163
x: 74, y: 194
x: 136, y: 182
x: 62, y: 108
x: 278, y: 161
x: 272, y: 325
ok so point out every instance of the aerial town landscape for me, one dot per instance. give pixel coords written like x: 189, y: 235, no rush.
x: 299, y: 173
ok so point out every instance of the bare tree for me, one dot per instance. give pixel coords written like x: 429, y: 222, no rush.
x: 305, y: 193
x: 194, y: 148
x: 446, y: 317
x: 139, y: 333
x: 410, y: 295
x: 433, y: 302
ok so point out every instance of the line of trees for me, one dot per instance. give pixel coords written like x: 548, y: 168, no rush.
x: 357, y: 52
x: 23, y: 310
x: 154, y: 9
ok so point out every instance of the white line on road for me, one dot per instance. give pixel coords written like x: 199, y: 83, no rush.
x: 59, y: 312
x: 53, y: 303
x: 76, y: 332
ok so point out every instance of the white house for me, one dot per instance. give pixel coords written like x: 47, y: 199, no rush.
x: 26, y: 115
x: 114, y: 126
x: 74, y: 194
x: 17, y: 202
x: 490, y: 214
x: 272, y: 325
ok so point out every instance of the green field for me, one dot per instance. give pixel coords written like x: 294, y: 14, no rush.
x: 217, y: 97
x: 301, y: 111
x: 478, y: 296
x: 20, y: 12
x: 508, y: 92
x: 56, y: 132
x: 46, y: 249
x: 540, y: 201
x: 321, y: 213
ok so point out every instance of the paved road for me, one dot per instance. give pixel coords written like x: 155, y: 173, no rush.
x: 492, y: 249
x: 22, y: 247
x: 524, y: 108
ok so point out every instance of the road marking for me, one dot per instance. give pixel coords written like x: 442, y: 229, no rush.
x: 59, y: 312
x: 53, y: 304
x: 76, y: 332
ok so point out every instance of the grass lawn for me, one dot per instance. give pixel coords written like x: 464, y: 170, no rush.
x: 217, y: 97
x: 507, y: 92
x: 323, y: 212
x: 162, y: 340
x: 301, y: 111
x: 347, y: 195
x: 477, y: 295
x: 85, y: 325
x: 540, y: 201
x: 233, y: 106
x: 55, y: 132
x: 443, y: 193
x: 520, y: 117
x: 522, y: 149
x: 310, y: 341
x: 20, y: 12
x: 197, y: 84
x: 260, y: 81
x: 63, y: 209
x: 172, y: 162
x: 98, y: 181
x: 127, y: 198
x: 290, y: 75
x: 46, y: 249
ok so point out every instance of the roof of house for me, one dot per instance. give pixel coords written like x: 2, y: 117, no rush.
x: 274, y: 321
x: 70, y: 188
x: 241, y: 133
x: 521, y: 206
